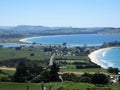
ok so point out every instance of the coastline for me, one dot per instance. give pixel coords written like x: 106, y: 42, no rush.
x: 25, y: 39
x: 93, y: 56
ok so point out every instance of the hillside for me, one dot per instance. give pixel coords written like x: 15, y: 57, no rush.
x: 27, y: 31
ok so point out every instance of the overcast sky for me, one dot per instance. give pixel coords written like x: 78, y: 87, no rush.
x: 76, y: 13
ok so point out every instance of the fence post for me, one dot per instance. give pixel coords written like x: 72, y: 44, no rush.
x: 27, y: 87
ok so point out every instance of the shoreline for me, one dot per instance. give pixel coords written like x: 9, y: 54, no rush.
x: 93, y: 56
x: 25, y: 40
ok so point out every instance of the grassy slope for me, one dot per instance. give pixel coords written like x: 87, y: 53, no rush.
x: 66, y: 85
x: 6, y: 54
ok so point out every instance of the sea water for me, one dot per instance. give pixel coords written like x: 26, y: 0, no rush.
x: 110, y: 57
x: 76, y: 40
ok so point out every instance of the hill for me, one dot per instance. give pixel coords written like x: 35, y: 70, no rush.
x: 28, y: 31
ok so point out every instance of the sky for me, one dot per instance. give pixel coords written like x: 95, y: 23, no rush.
x: 75, y: 13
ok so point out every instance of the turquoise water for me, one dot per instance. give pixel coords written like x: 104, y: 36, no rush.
x: 110, y: 57
x: 79, y: 39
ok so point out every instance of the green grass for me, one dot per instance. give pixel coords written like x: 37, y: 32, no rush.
x: 65, y: 85
x: 10, y: 40
x: 11, y: 53
x: 115, y: 86
x: 18, y: 86
x: 71, y: 68
x: 74, y: 57
x: 10, y: 72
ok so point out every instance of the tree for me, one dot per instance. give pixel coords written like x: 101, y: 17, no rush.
x: 32, y: 54
x: 116, y: 70
x: 119, y: 79
x: 54, y: 69
x: 85, y: 79
x: 45, y: 76
x: 113, y: 70
x: 64, y: 44
x: 69, y: 77
x: 99, y: 78
x: 21, y: 74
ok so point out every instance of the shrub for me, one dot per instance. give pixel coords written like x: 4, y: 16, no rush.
x: 99, y: 78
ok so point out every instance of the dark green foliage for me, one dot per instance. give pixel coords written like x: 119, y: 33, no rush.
x: 21, y: 74
x: 18, y: 48
x: 99, y: 78
x: 69, y: 77
x: 4, y: 77
x: 26, y: 71
x: 119, y: 79
x: 15, y: 61
x: 54, y: 69
x: 113, y: 70
x: 50, y: 74
x: 111, y: 44
x: 32, y: 54
x: 86, y: 77
x: 45, y: 76
x: 36, y: 79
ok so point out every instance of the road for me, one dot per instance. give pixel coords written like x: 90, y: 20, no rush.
x: 7, y: 68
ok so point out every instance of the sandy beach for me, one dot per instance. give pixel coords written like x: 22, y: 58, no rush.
x: 25, y: 39
x: 93, y: 56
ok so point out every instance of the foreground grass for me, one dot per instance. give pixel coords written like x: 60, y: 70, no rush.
x: 18, y: 86
x: 65, y: 86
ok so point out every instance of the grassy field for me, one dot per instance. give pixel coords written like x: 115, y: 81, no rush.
x: 10, y: 72
x: 10, y: 40
x: 71, y: 68
x: 65, y: 85
x: 10, y: 53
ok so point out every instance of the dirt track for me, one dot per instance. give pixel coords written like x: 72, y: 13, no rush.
x: 6, y: 68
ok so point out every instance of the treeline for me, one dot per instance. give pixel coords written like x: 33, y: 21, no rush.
x: 113, y: 70
x: 97, y: 78
x: 16, y: 61
x: 110, y: 44
x: 87, y: 66
x: 80, y: 65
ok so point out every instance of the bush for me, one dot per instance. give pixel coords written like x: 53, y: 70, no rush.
x: 85, y: 79
x: 99, y: 78
x: 113, y: 70
x: 37, y: 79
x: 4, y: 77
x: 69, y: 77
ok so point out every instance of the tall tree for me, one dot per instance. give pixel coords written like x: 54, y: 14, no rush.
x: 21, y: 74
x: 54, y: 69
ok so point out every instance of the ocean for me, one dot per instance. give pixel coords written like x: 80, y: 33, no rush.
x: 76, y: 40
x: 110, y: 57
